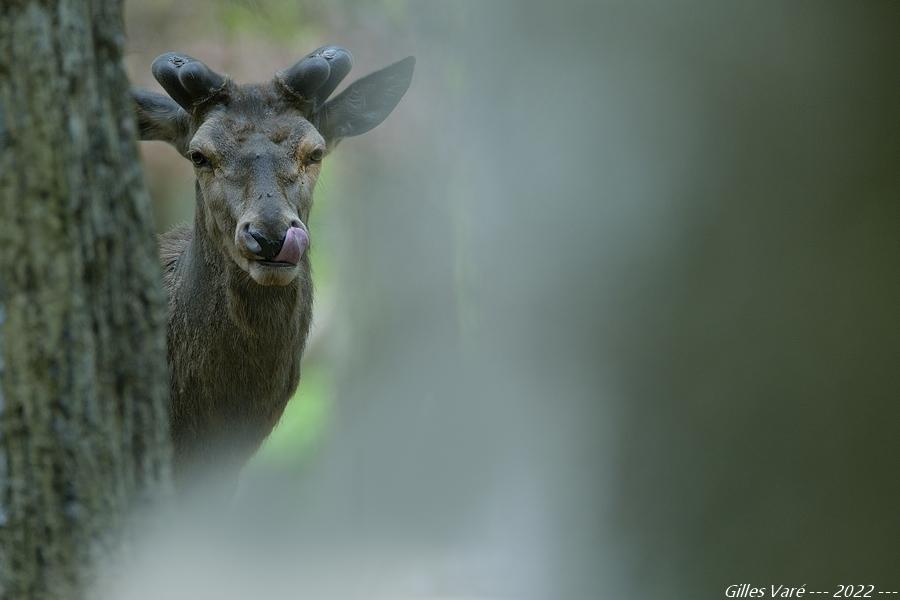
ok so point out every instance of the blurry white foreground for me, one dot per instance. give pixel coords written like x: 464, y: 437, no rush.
x: 615, y: 320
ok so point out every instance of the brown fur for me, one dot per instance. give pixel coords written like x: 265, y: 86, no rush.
x: 234, y: 344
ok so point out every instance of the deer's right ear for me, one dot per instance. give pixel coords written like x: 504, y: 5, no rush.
x: 160, y: 118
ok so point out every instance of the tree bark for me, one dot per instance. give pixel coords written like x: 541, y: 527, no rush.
x: 83, y: 381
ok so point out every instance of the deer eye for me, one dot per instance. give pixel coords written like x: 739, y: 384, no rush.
x: 317, y: 155
x: 198, y: 158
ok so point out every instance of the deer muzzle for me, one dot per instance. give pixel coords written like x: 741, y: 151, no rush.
x: 287, y: 249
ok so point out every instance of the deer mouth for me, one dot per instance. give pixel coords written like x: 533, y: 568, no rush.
x: 277, y: 264
x: 272, y: 272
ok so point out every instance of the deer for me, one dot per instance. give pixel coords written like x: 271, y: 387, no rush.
x: 238, y: 279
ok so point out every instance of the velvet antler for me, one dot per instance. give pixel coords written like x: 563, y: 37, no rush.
x: 314, y: 77
x: 188, y: 81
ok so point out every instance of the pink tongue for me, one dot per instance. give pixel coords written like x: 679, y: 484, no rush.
x: 295, y: 243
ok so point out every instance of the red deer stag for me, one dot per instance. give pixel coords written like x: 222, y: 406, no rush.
x: 238, y: 279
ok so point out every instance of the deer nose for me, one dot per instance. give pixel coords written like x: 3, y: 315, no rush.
x: 260, y: 244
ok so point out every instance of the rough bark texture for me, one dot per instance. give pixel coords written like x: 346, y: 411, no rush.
x: 83, y: 383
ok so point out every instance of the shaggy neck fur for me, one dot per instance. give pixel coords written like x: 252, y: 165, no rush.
x: 234, y: 347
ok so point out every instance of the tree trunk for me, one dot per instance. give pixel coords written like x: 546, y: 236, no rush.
x: 83, y: 382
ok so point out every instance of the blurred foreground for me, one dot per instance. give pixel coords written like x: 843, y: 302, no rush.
x: 607, y: 309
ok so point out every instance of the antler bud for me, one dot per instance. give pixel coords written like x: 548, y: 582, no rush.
x: 188, y: 81
x: 306, y: 76
x: 314, y: 77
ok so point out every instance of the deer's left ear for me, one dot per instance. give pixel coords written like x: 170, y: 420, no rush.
x: 365, y: 103
x: 160, y: 118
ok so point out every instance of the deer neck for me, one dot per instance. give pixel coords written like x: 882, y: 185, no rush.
x: 255, y: 310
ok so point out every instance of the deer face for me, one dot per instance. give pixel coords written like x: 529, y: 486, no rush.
x: 256, y: 169
x: 257, y: 149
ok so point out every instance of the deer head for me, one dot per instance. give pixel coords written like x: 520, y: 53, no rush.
x: 257, y: 149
